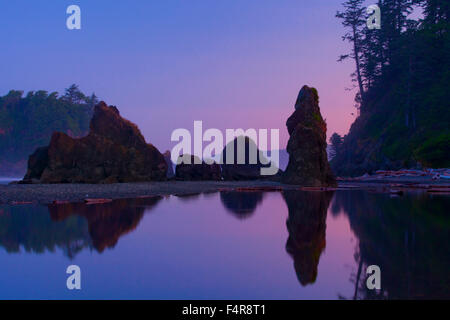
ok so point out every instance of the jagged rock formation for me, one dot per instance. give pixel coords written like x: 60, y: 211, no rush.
x: 193, y: 171
x: 308, y: 163
x: 113, y: 151
x: 245, y: 170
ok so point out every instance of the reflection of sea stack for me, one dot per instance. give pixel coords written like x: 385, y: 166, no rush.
x: 241, y: 204
x: 308, y: 163
x: 196, y: 170
x: 113, y: 151
x: 107, y: 222
x: 306, y: 226
x: 236, y: 168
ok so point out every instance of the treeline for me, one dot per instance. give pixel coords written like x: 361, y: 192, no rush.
x: 27, y: 122
x: 402, y: 76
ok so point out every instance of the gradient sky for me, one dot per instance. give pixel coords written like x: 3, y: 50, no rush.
x: 164, y: 64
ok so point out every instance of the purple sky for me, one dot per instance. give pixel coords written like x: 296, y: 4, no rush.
x: 164, y: 64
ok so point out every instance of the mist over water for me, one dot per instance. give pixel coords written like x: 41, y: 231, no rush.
x: 6, y: 180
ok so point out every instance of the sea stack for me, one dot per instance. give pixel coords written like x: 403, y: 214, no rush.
x: 308, y: 163
x: 113, y: 151
x: 245, y: 169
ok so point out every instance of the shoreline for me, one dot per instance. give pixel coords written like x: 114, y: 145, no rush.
x: 15, y: 194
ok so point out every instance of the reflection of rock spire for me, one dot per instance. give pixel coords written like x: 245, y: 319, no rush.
x: 241, y: 204
x: 306, y: 226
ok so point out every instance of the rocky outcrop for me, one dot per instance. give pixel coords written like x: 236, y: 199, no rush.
x: 113, y: 151
x: 308, y: 163
x: 234, y: 170
x: 195, y: 172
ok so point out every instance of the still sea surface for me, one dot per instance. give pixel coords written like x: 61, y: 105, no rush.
x: 230, y: 245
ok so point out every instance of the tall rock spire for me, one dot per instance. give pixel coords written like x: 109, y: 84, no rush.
x: 308, y: 162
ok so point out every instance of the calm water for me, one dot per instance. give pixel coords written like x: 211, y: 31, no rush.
x: 296, y: 245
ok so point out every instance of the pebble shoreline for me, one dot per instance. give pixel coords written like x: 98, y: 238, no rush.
x: 50, y: 193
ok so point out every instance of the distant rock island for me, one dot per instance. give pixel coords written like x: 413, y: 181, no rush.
x: 113, y: 151
x: 170, y: 170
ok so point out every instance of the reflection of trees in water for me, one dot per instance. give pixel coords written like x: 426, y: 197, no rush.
x: 407, y: 237
x: 107, y: 222
x: 30, y: 227
x: 306, y: 225
x: 241, y: 204
x: 71, y: 227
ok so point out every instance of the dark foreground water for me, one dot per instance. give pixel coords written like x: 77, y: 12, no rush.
x: 292, y: 245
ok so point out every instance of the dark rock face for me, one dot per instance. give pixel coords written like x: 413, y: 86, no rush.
x: 167, y: 158
x: 308, y: 163
x: 193, y: 171
x: 306, y: 225
x: 113, y: 151
x: 245, y: 170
